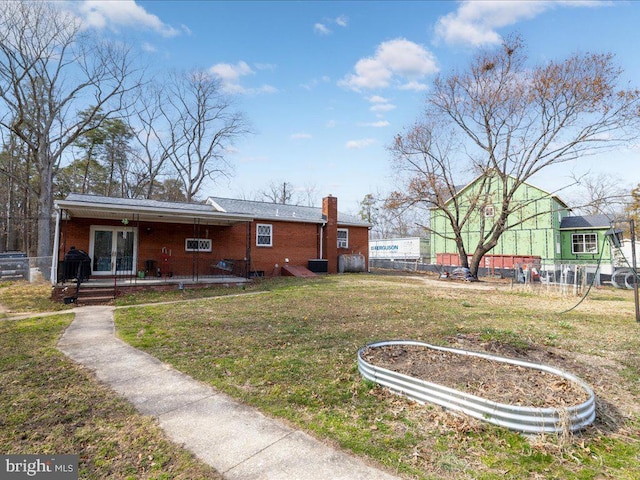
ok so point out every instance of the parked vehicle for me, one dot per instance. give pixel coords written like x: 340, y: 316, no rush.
x: 14, y: 266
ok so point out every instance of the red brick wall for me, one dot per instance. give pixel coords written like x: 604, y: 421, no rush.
x: 152, y: 238
x: 296, y: 241
x: 358, y: 242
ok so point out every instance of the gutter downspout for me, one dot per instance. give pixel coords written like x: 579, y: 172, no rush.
x: 54, y: 255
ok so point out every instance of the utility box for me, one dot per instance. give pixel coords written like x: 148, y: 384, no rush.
x: 318, y: 265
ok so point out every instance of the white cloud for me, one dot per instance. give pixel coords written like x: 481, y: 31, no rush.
x: 377, y: 99
x: 331, y: 124
x: 394, y: 61
x: 342, y: 21
x: 315, y: 82
x: 147, y: 47
x: 102, y: 14
x: 415, y: 86
x: 301, y: 136
x: 379, y: 124
x: 265, y: 66
x: 358, y: 144
x: 230, y: 76
x: 264, y: 89
x: 382, y: 107
x: 231, y: 73
x: 380, y: 104
x: 476, y: 23
x: 321, y: 29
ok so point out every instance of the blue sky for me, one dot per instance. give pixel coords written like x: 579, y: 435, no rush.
x: 326, y: 85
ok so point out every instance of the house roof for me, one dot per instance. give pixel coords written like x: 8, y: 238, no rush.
x: 585, y: 222
x: 96, y: 206
x: 215, y: 211
x: 276, y: 211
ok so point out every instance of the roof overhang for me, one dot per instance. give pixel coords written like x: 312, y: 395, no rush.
x: 586, y: 227
x: 144, y: 213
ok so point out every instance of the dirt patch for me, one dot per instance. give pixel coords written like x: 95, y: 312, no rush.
x: 488, y: 379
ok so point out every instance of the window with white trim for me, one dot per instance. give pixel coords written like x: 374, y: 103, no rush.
x: 489, y: 211
x: 197, y: 244
x: 343, y: 238
x: 584, y: 243
x: 264, y: 235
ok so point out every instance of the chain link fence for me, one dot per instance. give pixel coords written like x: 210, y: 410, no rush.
x: 16, y: 266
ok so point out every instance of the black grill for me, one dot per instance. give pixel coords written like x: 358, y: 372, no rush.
x: 77, y: 264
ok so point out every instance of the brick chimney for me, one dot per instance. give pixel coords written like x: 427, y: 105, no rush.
x: 330, y: 232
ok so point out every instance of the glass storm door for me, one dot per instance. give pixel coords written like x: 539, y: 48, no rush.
x: 112, y: 251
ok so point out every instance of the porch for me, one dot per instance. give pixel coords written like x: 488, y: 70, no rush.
x: 98, y: 290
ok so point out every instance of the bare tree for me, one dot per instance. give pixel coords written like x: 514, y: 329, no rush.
x: 153, y: 159
x: 309, y: 195
x: 401, y: 221
x: 389, y: 218
x: 287, y: 193
x: 201, y: 126
x: 279, y: 192
x: 17, y: 196
x: 49, y: 69
x: 600, y: 193
x: 504, y: 121
x: 632, y: 210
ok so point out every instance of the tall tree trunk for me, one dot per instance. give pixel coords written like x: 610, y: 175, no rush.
x: 45, y: 204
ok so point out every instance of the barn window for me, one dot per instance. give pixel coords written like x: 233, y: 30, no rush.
x: 584, y: 243
x: 264, y: 235
x: 197, y: 244
x: 343, y: 238
x: 489, y: 211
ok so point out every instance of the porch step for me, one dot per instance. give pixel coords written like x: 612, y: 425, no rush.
x: 95, y: 296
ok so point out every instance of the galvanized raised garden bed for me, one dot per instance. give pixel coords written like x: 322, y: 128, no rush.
x: 515, y: 417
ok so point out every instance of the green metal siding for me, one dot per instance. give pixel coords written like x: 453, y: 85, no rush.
x: 569, y: 257
x: 537, y: 235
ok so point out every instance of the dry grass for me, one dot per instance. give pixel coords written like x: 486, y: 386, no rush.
x: 25, y: 297
x: 50, y: 405
x: 292, y: 353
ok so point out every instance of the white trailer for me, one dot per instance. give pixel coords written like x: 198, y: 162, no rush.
x: 411, y: 248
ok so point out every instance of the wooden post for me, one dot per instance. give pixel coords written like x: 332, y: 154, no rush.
x: 634, y: 268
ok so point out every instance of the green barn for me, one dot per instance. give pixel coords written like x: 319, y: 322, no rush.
x: 541, y: 230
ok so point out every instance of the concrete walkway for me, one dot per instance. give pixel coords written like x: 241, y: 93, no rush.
x: 238, y: 441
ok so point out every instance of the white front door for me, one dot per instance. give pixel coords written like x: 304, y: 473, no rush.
x: 113, y: 250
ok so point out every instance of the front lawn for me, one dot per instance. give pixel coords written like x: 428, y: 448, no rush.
x: 292, y: 353
x: 50, y: 405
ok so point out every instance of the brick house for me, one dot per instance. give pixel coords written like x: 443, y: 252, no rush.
x: 148, y: 238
